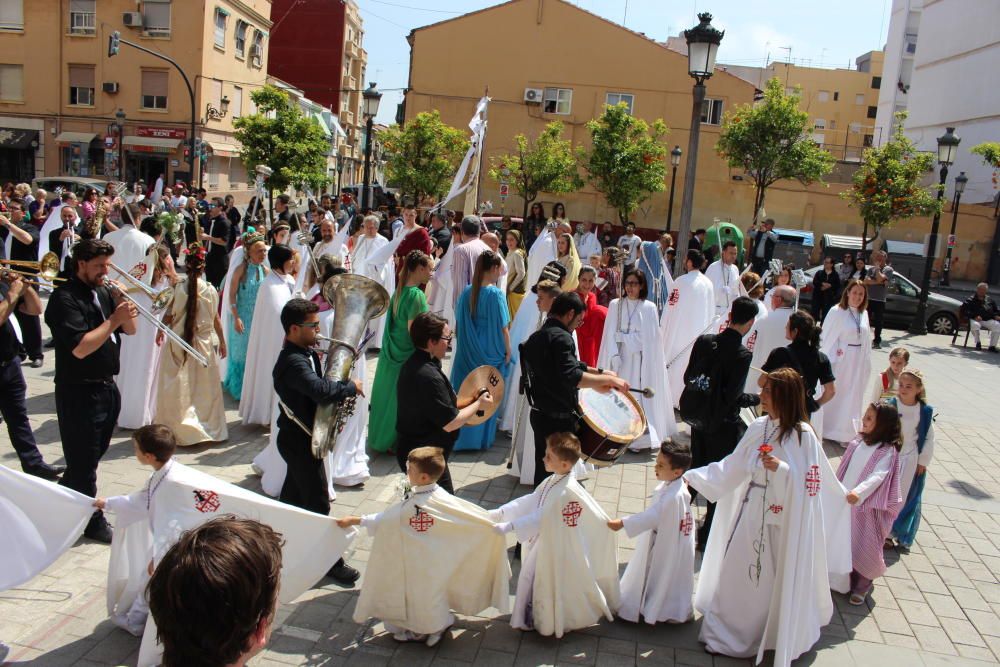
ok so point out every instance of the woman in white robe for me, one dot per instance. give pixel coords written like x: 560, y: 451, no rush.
x: 847, y: 341
x: 631, y: 347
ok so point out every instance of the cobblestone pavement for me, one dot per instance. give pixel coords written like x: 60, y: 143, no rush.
x: 937, y: 605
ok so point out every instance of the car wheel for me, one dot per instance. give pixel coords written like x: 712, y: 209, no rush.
x: 942, y: 323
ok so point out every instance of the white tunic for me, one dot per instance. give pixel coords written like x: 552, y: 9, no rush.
x: 909, y: 458
x: 764, y: 336
x: 689, y: 313
x: 588, y: 245
x: 258, y: 400
x: 726, y: 281
x: 383, y: 273
x: 846, y: 340
x: 864, y: 487
x: 139, y: 361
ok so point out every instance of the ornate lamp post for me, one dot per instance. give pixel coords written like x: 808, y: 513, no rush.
x: 120, y: 124
x: 703, y: 43
x: 675, y: 159
x: 371, y: 101
x: 960, y: 181
x: 340, y: 171
x: 947, y: 150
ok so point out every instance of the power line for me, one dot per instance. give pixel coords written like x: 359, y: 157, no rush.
x: 368, y: 11
x: 419, y: 9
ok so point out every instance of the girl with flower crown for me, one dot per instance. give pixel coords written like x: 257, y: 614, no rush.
x: 240, y: 292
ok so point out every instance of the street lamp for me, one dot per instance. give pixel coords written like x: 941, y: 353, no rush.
x: 675, y: 159
x: 371, y: 101
x: 340, y: 171
x: 120, y: 124
x: 960, y: 181
x: 947, y: 150
x: 703, y: 43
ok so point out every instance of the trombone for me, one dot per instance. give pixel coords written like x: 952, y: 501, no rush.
x: 160, y: 300
x: 155, y: 321
x: 46, y: 270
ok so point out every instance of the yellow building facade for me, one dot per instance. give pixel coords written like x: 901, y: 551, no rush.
x: 547, y: 60
x: 58, y: 83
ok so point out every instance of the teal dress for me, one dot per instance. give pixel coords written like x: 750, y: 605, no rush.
x: 246, y: 297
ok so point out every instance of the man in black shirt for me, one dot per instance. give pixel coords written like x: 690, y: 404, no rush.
x: 284, y: 212
x: 86, y: 321
x: 16, y: 296
x: 440, y: 233
x: 554, y: 372
x: 300, y: 385
x: 428, y: 413
x: 24, y: 236
x: 216, y: 235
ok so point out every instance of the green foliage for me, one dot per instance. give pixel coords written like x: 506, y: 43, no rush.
x: 989, y: 151
x: 626, y: 160
x: 280, y: 136
x: 770, y: 141
x: 887, y: 186
x: 423, y: 155
x: 545, y: 165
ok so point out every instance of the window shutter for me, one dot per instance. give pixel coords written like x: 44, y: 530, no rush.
x: 154, y: 82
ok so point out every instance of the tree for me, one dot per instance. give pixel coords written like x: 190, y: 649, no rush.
x: 280, y: 136
x: 770, y: 141
x: 626, y: 160
x: 887, y: 186
x: 545, y: 165
x: 423, y: 155
x: 989, y: 151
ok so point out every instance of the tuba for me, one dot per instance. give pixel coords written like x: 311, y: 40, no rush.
x: 355, y: 300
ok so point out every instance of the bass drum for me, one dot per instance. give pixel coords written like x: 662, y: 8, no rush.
x: 611, y: 422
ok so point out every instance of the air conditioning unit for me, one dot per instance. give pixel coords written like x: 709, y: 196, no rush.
x: 533, y: 95
x: 110, y: 87
x: 256, y: 55
x: 132, y: 19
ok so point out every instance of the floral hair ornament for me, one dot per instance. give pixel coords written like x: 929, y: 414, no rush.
x: 196, y: 250
x: 252, y: 236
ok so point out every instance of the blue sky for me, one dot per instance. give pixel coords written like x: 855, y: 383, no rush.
x: 829, y: 34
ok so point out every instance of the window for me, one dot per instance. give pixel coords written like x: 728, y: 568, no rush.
x: 154, y: 89
x: 873, y: 112
x: 212, y: 167
x: 12, y: 83
x: 11, y: 14
x: 613, y: 99
x: 859, y: 99
x: 836, y: 96
x: 81, y: 85
x: 869, y: 140
x: 819, y: 124
x: 711, y: 112
x: 876, y: 82
x: 236, y: 104
x: 257, y: 50
x: 220, y: 28
x: 82, y: 17
x: 902, y: 287
x: 156, y: 17
x: 833, y: 125
x: 823, y: 96
x: 347, y: 65
x: 557, y: 100
x: 215, y: 92
x: 241, y: 38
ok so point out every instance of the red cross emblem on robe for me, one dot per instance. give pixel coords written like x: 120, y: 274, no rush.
x: 775, y: 509
x: 751, y: 341
x: 138, y: 271
x: 571, y: 513
x: 686, y: 523
x: 812, y: 480
x: 206, y: 501
x: 675, y: 296
x: 421, y: 521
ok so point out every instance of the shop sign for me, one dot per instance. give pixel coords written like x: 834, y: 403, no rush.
x: 161, y: 132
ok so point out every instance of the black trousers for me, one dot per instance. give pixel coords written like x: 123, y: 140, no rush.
x: 545, y: 425
x: 305, y: 482
x: 31, y: 334
x: 708, y: 448
x: 403, y: 449
x: 87, y: 414
x: 12, y: 392
x: 759, y: 265
x: 876, y: 313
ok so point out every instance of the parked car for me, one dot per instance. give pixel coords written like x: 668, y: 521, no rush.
x: 901, y: 305
x: 75, y: 184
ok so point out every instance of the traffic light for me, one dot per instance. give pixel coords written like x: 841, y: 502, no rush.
x: 113, y: 43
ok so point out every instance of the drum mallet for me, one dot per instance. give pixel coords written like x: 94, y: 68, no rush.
x: 647, y: 392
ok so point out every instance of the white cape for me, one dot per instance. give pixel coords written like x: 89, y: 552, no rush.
x: 689, y: 313
x: 765, y: 335
x: 132, y: 254
x: 40, y: 521
x: 439, y: 298
x: 383, y: 272
x: 258, y: 400
x: 726, y: 282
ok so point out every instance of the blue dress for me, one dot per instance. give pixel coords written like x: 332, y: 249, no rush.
x: 246, y: 297
x: 480, y: 343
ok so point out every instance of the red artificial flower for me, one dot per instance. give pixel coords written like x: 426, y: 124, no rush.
x: 765, y: 449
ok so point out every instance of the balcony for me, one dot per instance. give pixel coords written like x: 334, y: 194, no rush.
x: 350, y: 83
x: 347, y: 117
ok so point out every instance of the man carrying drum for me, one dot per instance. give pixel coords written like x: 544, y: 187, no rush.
x: 555, y: 374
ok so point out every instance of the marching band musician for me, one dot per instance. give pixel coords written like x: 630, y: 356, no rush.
x: 86, y: 321
x: 300, y: 385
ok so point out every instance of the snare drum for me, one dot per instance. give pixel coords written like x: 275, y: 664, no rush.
x: 611, y: 422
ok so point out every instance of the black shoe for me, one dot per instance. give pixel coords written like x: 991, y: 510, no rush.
x: 50, y: 343
x: 37, y: 363
x: 343, y: 573
x: 98, y: 530
x: 46, y: 471
x: 517, y: 551
x: 979, y: 345
x: 877, y: 345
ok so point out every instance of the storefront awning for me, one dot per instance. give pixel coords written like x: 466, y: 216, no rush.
x: 221, y: 149
x: 335, y: 121
x: 75, y: 137
x: 151, y: 144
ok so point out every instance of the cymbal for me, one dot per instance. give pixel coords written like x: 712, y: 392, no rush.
x: 484, y: 377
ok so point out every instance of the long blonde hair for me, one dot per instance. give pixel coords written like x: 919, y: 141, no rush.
x: 919, y: 377
x: 487, y: 261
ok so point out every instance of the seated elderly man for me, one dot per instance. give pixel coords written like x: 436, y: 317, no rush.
x: 982, y: 312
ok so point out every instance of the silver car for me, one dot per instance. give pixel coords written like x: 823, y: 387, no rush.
x: 76, y: 184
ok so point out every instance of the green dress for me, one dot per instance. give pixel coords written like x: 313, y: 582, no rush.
x: 396, y: 349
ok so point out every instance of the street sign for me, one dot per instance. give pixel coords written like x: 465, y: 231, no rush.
x: 504, y: 191
x: 951, y: 240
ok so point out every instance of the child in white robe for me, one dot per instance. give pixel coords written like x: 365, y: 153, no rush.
x: 432, y: 553
x: 154, y: 446
x: 659, y: 579
x: 569, y: 570
x: 886, y: 382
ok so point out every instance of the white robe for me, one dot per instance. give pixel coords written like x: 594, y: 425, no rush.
x: 569, y: 563
x: 586, y: 246
x: 689, y: 313
x: 632, y: 349
x: 805, y: 525
x: 543, y: 251
x: 384, y: 273
x: 659, y: 579
x: 258, y: 400
x: 764, y: 336
x: 432, y: 553
x: 132, y: 253
x: 139, y: 361
x: 439, y: 300
x: 726, y: 281
x: 54, y: 221
x: 846, y: 340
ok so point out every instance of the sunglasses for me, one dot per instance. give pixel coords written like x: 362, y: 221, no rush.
x: 311, y: 325
x: 446, y: 339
